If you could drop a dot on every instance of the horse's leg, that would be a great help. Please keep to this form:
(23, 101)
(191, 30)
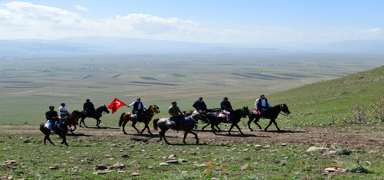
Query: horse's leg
(206, 126)
(163, 134)
(49, 139)
(196, 137)
(274, 122)
(217, 125)
(124, 123)
(249, 123)
(82, 120)
(229, 132)
(133, 125)
(185, 136)
(270, 122)
(213, 128)
(257, 120)
(239, 129)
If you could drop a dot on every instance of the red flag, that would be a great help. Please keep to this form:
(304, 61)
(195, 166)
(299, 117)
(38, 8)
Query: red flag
(116, 104)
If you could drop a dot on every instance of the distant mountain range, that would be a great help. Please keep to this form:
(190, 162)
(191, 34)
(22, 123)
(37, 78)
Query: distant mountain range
(138, 46)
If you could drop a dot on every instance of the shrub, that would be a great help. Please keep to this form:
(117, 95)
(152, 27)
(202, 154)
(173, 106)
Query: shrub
(377, 111)
(358, 111)
(26, 141)
(343, 151)
(358, 168)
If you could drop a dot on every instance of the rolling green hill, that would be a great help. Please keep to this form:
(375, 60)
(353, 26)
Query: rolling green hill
(313, 104)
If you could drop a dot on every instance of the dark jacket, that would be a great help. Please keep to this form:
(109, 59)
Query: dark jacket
(201, 105)
(136, 105)
(259, 104)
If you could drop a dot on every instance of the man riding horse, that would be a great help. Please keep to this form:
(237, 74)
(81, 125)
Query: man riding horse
(226, 108)
(176, 114)
(200, 106)
(51, 117)
(262, 104)
(138, 107)
(89, 108)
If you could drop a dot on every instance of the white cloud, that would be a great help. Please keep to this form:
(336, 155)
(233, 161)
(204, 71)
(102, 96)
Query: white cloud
(25, 20)
(81, 8)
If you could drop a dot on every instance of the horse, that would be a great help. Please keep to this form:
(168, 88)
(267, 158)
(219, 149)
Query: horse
(186, 125)
(61, 128)
(215, 119)
(145, 118)
(187, 113)
(271, 114)
(72, 120)
(96, 115)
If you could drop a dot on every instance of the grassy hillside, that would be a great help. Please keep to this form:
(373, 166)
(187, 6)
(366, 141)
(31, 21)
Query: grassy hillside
(313, 104)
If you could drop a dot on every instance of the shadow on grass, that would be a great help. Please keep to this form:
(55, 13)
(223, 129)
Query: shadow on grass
(284, 131)
(242, 135)
(79, 134)
(100, 127)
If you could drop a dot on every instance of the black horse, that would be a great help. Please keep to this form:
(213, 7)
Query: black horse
(271, 114)
(61, 128)
(236, 117)
(73, 120)
(96, 115)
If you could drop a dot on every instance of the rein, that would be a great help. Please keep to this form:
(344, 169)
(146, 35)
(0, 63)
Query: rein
(194, 121)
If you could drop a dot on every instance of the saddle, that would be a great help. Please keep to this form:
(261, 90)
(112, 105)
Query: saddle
(255, 111)
(171, 124)
(222, 115)
(133, 116)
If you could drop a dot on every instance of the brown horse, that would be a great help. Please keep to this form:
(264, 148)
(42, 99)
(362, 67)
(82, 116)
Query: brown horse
(145, 118)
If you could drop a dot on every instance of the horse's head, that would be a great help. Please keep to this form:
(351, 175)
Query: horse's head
(104, 109)
(76, 114)
(245, 111)
(154, 109)
(285, 109)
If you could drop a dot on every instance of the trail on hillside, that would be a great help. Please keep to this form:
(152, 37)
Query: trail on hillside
(365, 136)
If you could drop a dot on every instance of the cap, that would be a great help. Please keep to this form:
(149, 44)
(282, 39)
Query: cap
(173, 102)
(200, 97)
(262, 95)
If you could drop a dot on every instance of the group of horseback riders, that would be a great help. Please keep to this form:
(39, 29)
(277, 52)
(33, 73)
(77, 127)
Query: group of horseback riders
(52, 116)
(261, 105)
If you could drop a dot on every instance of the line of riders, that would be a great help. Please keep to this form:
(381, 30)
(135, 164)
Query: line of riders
(261, 107)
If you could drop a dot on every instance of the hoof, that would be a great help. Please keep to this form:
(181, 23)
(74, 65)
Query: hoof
(251, 129)
(53, 144)
(197, 142)
(265, 129)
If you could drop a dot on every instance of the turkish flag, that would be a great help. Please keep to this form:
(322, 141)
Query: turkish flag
(116, 104)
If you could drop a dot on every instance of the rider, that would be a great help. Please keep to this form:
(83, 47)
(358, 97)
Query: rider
(138, 107)
(226, 108)
(63, 110)
(174, 112)
(89, 107)
(199, 105)
(262, 104)
(51, 117)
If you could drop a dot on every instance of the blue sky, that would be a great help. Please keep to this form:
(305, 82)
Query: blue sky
(198, 21)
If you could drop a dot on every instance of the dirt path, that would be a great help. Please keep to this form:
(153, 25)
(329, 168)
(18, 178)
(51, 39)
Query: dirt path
(363, 136)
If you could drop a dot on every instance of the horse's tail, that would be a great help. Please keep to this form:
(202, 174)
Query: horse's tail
(121, 119)
(41, 127)
(155, 123)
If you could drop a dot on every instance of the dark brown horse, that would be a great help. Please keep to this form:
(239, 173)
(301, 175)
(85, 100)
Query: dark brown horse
(96, 115)
(61, 128)
(186, 125)
(215, 120)
(271, 114)
(145, 118)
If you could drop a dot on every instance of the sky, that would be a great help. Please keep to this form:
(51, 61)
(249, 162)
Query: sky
(208, 21)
